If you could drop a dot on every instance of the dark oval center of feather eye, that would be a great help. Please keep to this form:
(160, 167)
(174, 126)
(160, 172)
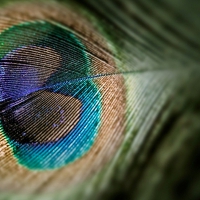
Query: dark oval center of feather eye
(41, 116)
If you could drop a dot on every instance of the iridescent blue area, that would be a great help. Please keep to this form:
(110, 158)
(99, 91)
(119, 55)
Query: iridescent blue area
(14, 82)
(70, 79)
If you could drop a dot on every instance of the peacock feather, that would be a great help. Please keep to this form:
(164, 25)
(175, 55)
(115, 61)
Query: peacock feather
(99, 99)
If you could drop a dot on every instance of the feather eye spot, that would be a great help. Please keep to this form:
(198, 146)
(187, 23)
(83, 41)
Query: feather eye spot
(62, 100)
(38, 98)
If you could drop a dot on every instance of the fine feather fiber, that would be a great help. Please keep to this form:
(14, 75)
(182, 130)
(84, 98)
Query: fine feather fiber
(99, 99)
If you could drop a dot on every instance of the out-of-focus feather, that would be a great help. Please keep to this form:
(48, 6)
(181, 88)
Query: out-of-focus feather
(159, 42)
